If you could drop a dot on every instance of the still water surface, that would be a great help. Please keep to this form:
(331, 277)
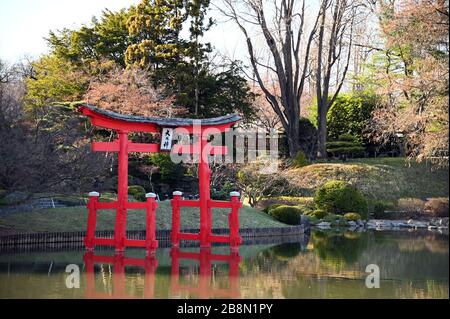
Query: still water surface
(323, 265)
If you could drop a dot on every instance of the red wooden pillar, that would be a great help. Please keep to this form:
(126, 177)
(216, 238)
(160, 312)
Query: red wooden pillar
(204, 174)
(122, 192)
(175, 218)
(92, 220)
(150, 232)
(233, 220)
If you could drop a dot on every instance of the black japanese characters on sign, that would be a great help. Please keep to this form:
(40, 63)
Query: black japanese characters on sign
(166, 139)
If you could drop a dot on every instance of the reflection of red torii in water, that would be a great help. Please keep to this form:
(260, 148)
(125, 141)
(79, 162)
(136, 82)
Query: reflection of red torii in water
(205, 259)
(201, 129)
(119, 261)
(150, 263)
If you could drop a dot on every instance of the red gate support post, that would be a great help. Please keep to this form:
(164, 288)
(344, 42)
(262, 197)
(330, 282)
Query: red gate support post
(204, 174)
(122, 193)
(175, 218)
(233, 220)
(92, 220)
(150, 237)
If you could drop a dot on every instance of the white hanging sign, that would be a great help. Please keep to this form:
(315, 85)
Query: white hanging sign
(166, 139)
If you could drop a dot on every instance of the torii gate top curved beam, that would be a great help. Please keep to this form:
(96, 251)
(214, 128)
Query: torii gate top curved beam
(133, 123)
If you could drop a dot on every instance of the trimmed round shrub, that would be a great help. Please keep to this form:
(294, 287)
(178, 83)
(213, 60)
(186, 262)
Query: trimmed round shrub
(270, 207)
(340, 197)
(137, 191)
(290, 215)
(286, 200)
(319, 213)
(306, 210)
(352, 216)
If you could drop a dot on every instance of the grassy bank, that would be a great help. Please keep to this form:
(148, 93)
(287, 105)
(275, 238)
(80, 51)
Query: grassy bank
(75, 219)
(377, 178)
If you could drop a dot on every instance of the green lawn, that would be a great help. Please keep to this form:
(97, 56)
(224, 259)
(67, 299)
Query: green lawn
(75, 219)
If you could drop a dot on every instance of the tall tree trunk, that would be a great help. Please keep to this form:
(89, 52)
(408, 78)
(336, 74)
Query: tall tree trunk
(328, 57)
(294, 139)
(322, 128)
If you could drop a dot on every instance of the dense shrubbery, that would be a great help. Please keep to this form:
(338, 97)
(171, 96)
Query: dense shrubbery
(137, 191)
(166, 167)
(380, 207)
(287, 200)
(349, 114)
(307, 140)
(290, 215)
(267, 209)
(318, 213)
(352, 216)
(346, 146)
(340, 197)
(224, 192)
(300, 160)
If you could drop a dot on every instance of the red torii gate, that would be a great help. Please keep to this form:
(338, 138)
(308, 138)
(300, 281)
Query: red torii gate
(122, 125)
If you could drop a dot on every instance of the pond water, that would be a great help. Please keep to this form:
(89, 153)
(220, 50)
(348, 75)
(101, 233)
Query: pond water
(323, 265)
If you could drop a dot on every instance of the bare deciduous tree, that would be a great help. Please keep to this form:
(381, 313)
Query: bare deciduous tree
(334, 43)
(265, 115)
(288, 41)
(45, 151)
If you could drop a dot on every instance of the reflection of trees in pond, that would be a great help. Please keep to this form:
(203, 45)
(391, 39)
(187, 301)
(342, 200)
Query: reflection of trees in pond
(274, 258)
(339, 248)
(286, 251)
(413, 241)
(440, 247)
(409, 255)
(332, 287)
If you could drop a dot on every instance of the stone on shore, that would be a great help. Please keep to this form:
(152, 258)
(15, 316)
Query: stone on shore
(324, 225)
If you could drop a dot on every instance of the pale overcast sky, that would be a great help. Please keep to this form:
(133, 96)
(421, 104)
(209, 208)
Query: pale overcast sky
(25, 23)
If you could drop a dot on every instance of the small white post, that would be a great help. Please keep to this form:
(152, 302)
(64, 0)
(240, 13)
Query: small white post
(235, 194)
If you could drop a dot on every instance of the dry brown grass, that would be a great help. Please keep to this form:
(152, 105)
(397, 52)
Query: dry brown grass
(437, 207)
